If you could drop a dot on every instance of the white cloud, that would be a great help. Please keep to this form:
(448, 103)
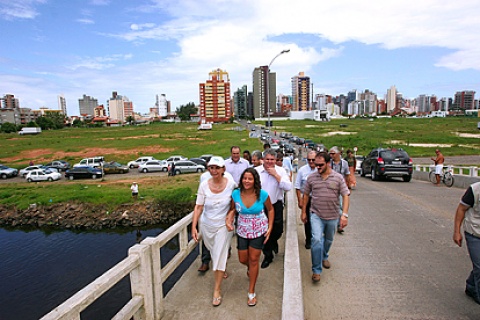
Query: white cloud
(22, 9)
(86, 21)
(100, 63)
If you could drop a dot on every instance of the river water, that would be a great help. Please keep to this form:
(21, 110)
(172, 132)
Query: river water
(40, 270)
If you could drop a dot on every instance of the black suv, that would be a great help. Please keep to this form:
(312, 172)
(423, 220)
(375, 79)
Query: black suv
(386, 163)
(83, 173)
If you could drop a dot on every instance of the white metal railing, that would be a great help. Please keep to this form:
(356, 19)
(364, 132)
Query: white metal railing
(143, 264)
(464, 171)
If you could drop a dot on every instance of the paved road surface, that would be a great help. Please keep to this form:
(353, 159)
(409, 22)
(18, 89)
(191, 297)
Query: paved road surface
(396, 260)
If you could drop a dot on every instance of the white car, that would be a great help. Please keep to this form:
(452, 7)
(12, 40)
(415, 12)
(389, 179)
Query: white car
(359, 159)
(153, 166)
(139, 161)
(42, 175)
(23, 172)
(176, 158)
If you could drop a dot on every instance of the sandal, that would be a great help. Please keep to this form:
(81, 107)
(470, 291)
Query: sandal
(252, 299)
(217, 301)
(225, 275)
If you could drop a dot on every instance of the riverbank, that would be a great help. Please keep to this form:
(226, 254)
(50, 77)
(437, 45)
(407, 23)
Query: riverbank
(81, 216)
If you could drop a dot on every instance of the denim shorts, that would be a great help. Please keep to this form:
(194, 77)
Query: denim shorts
(244, 243)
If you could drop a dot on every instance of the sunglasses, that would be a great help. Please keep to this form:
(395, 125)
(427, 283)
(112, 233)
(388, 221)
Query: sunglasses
(311, 159)
(320, 165)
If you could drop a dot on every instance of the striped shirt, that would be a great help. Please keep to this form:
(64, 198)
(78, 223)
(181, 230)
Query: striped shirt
(324, 194)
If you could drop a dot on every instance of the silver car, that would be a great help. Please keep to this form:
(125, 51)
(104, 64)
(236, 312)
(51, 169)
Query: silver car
(186, 166)
(153, 166)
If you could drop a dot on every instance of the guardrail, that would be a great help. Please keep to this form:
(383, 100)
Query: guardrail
(143, 264)
(464, 171)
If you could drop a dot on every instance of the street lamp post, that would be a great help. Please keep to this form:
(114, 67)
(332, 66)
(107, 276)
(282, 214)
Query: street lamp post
(268, 85)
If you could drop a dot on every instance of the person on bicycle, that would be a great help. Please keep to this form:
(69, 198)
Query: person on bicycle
(439, 160)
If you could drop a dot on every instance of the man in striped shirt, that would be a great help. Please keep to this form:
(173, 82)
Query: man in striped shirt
(324, 188)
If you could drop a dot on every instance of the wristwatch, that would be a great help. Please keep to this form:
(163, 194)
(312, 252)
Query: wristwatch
(345, 215)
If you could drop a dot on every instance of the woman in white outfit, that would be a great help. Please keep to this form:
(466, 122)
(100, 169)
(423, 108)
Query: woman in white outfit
(213, 203)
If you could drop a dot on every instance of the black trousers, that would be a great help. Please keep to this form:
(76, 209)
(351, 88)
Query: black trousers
(276, 233)
(308, 225)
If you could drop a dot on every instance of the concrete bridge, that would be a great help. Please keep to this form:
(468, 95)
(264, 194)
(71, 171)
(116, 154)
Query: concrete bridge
(396, 260)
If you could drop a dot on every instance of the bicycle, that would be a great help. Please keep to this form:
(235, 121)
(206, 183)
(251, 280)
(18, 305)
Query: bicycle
(446, 177)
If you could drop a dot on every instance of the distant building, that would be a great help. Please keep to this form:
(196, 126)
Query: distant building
(62, 104)
(215, 98)
(240, 103)
(301, 92)
(262, 79)
(391, 100)
(464, 100)
(162, 105)
(9, 101)
(87, 105)
(119, 107)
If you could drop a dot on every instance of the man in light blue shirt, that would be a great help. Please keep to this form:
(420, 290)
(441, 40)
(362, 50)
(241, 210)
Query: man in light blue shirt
(300, 181)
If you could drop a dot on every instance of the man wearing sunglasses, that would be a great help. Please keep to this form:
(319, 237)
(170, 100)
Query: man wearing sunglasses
(324, 188)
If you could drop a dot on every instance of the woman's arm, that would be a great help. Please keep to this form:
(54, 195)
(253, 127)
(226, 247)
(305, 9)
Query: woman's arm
(196, 215)
(230, 216)
(271, 216)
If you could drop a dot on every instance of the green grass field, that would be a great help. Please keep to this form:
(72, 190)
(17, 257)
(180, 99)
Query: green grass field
(419, 137)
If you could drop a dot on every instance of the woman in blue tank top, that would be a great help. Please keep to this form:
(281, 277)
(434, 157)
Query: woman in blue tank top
(251, 203)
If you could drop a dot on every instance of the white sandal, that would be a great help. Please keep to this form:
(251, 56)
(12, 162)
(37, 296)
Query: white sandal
(252, 299)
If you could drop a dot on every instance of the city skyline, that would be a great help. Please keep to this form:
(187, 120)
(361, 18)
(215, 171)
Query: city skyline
(166, 47)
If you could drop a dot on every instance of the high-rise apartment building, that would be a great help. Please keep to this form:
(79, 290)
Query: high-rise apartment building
(87, 105)
(9, 101)
(464, 100)
(215, 97)
(119, 107)
(391, 100)
(301, 92)
(62, 104)
(261, 78)
(161, 105)
(240, 103)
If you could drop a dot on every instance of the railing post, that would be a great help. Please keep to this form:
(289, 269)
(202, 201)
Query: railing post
(141, 281)
(472, 172)
(157, 280)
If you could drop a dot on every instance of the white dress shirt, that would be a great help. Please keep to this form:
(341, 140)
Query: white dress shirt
(274, 188)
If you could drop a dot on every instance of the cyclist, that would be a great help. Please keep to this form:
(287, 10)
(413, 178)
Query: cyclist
(438, 160)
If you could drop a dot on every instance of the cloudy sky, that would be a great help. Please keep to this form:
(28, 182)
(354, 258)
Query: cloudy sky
(146, 47)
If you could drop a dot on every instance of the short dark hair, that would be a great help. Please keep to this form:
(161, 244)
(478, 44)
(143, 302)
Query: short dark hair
(234, 147)
(266, 146)
(323, 155)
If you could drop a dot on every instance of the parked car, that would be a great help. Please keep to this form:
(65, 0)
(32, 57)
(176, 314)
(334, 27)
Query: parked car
(206, 157)
(83, 173)
(25, 171)
(153, 166)
(42, 175)
(385, 163)
(199, 161)
(139, 161)
(6, 172)
(288, 148)
(91, 162)
(274, 146)
(115, 167)
(358, 167)
(309, 144)
(176, 158)
(60, 165)
(186, 166)
(300, 141)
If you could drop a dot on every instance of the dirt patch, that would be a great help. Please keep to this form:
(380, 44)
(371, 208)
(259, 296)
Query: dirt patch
(46, 155)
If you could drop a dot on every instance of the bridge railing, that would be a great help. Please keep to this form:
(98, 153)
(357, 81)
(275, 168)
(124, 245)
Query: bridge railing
(464, 171)
(143, 264)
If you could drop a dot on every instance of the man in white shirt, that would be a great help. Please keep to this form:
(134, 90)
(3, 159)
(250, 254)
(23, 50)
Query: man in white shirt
(236, 165)
(275, 181)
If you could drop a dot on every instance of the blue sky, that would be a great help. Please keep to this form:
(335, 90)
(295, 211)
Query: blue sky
(146, 47)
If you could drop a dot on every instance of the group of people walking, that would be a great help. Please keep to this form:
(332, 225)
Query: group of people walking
(234, 192)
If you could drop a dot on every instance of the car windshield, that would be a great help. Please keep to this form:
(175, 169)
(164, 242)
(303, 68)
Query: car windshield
(393, 154)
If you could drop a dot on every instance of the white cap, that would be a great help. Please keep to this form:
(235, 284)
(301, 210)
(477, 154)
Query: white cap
(216, 161)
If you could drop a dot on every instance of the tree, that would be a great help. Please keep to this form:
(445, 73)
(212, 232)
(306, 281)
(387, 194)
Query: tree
(8, 127)
(184, 111)
(130, 120)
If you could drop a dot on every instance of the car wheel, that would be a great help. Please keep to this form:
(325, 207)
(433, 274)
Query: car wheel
(50, 179)
(165, 169)
(70, 178)
(94, 176)
(362, 172)
(407, 178)
(177, 172)
(29, 180)
(4, 176)
(132, 166)
(199, 170)
(374, 175)
(145, 170)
